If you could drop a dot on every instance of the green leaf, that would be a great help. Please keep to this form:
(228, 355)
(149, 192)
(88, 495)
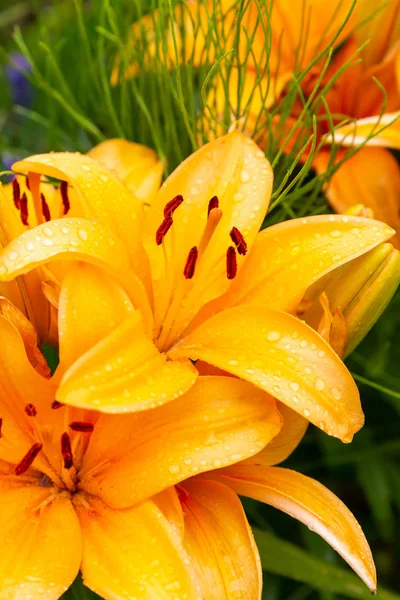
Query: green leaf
(286, 559)
(78, 591)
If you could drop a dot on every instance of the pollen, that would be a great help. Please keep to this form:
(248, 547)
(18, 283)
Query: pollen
(172, 205)
(23, 207)
(45, 208)
(64, 196)
(231, 263)
(239, 241)
(16, 193)
(163, 230)
(28, 459)
(66, 451)
(82, 426)
(56, 404)
(30, 410)
(191, 263)
(214, 203)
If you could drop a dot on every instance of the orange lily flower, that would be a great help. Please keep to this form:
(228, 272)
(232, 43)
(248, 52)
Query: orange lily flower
(22, 206)
(205, 285)
(85, 490)
(114, 495)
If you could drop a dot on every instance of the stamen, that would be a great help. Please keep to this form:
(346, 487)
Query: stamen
(45, 208)
(28, 184)
(56, 404)
(239, 241)
(30, 410)
(231, 263)
(214, 217)
(183, 494)
(163, 229)
(1, 426)
(28, 459)
(82, 426)
(214, 203)
(64, 196)
(23, 206)
(66, 451)
(172, 205)
(16, 193)
(191, 263)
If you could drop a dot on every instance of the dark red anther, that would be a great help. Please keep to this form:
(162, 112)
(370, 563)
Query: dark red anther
(45, 208)
(172, 205)
(64, 196)
(214, 203)
(231, 263)
(239, 241)
(30, 410)
(27, 184)
(183, 494)
(66, 451)
(191, 263)
(28, 459)
(16, 193)
(81, 426)
(56, 404)
(23, 207)
(163, 229)
(1, 426)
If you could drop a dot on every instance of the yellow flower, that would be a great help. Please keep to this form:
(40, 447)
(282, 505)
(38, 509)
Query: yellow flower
(81, 490)
(204, 283)
(22, 206)
(114, 495)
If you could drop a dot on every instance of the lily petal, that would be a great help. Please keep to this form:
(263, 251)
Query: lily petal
(219, 421)
(371, 176)
(125, 372)
(136, 165)
(380, 28)
(43, 540)
(289, 257)
(385, 131)
(28, 335)
(281, 355)
(91, 306)
(77, 239)
(293, 429)
(219, 542)
(232, 168)
(100, 195)
(133, 553)
(311, 503)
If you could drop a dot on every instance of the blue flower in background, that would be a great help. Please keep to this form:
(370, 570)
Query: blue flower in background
(20, 88)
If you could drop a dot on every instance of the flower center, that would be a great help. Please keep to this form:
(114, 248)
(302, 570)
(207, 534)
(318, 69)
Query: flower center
(167, 332)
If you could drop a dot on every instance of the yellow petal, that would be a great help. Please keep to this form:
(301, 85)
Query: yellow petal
(361, 290)
(292, 432)
(385, 131)
(136, 165)
(74, 239)
(281, 355)
(28, 335)
(232, 168)
(125, 373)
(133, 553)
(42, 538)
(289, 257)
(220, 543)
(21, 384)
(371, 176)
(91, 306)
(311, 503)
(219, 421)
(100, 195)
(380, 28)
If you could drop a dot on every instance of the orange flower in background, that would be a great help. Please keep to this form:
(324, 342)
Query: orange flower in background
(23, 206)
(195, 281)
(114, 495)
